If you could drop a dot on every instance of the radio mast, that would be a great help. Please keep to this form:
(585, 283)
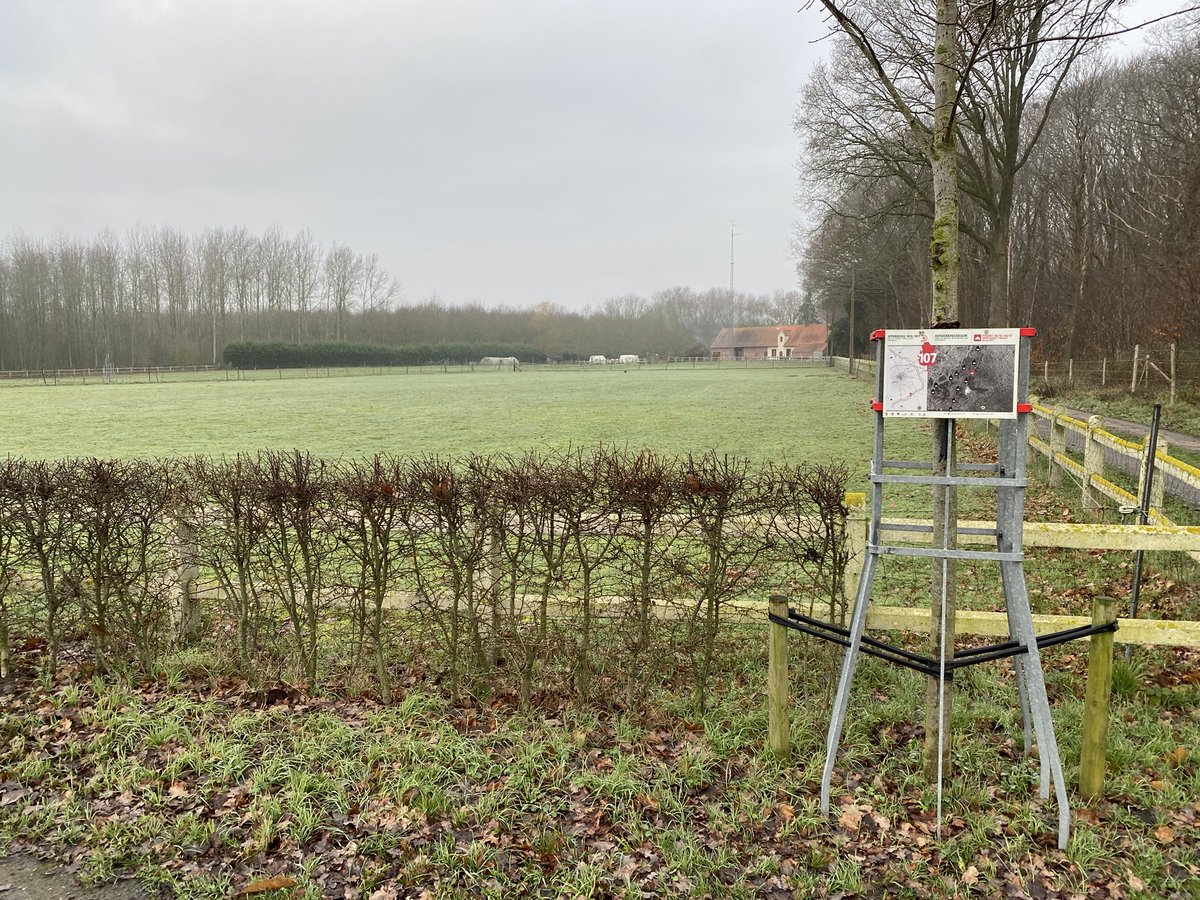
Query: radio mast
(731, 233)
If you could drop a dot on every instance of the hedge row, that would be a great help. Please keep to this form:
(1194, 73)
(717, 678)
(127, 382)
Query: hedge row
(280, 355)
(546, 571)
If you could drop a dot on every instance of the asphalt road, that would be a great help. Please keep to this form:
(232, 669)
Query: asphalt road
(28, 878)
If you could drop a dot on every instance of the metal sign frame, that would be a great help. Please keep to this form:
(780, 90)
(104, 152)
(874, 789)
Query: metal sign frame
(1008, 479)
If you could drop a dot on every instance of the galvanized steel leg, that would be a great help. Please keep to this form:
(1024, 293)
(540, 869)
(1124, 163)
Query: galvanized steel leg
(841, 701)
(1019, 664)
(1006, 510)
(1039, 704)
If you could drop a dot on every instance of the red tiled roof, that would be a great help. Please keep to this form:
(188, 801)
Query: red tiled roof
(805, 338)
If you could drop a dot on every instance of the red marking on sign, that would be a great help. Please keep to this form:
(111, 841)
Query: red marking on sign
(877, 334)
(1024, 407)
(1028, 332)
(927, 355)
(877, 406)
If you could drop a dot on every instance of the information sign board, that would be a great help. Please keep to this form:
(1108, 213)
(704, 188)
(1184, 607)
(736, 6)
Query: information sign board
(951, 373)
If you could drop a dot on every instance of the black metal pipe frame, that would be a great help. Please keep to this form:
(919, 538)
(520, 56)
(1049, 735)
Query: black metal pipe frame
(884, 651)
(827, 631)
(866, 639)
(1143, 516)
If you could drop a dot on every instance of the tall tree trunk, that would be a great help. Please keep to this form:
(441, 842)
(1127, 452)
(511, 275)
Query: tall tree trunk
(1081, 240)
(998, 272)
(944, 264)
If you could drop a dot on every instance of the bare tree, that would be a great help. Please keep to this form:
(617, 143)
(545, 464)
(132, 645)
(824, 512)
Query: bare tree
(306, 272)
(377, 289)
(215, 277)
(342, 273)
(1014, 62)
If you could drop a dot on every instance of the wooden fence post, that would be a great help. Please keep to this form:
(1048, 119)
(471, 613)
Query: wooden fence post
(1093, 463)
(1133, 380)
(1095, 703)
(856, 547)
(1172, 402)
(778, 730)
(493, 588)
(1156, 487)
(1104, 372)
(186, 614)
(1071, 371)
(1058, 445)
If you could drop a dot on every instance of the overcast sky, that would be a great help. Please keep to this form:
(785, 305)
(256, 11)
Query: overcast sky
(511, 152)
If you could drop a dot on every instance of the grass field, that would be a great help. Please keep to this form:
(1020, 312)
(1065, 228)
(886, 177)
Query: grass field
(792, 414)
(205, 785)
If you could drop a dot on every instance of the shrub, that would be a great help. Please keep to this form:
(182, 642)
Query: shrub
(583, 570)
(281, 355)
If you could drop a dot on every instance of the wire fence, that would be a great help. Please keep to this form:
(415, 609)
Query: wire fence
(1152, 369)
(169, 374)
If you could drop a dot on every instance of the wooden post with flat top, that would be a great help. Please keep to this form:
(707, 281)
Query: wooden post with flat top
(778, 730)
(1093, 464)
(1058, 445)
(1095, 702)
(856, 553)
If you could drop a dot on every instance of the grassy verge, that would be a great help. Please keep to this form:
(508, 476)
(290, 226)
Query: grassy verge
(205, 788)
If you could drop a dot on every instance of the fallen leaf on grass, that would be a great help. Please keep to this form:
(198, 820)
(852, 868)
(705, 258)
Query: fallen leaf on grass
(627, 868)
(1090, 816)
(14, 796)
(786, 811)
(1165, 833)
(274, 883)
(971, 876)
(178, 789)
(851, 817)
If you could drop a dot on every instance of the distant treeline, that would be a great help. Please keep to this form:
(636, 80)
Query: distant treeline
(162, 297)
(279, 355)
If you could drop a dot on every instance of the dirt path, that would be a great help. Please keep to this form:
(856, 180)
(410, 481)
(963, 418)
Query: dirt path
(28, 878)
(1173, 438)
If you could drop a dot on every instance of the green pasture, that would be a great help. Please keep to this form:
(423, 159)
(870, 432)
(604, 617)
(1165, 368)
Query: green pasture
(203, 784)
(794, 414)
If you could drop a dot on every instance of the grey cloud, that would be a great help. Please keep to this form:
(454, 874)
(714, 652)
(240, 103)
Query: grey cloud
(502, 151)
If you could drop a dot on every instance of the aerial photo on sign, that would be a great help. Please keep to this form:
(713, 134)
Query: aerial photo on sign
(952, 373)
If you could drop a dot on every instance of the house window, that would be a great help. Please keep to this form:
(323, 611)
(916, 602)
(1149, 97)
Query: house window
(772, 351)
